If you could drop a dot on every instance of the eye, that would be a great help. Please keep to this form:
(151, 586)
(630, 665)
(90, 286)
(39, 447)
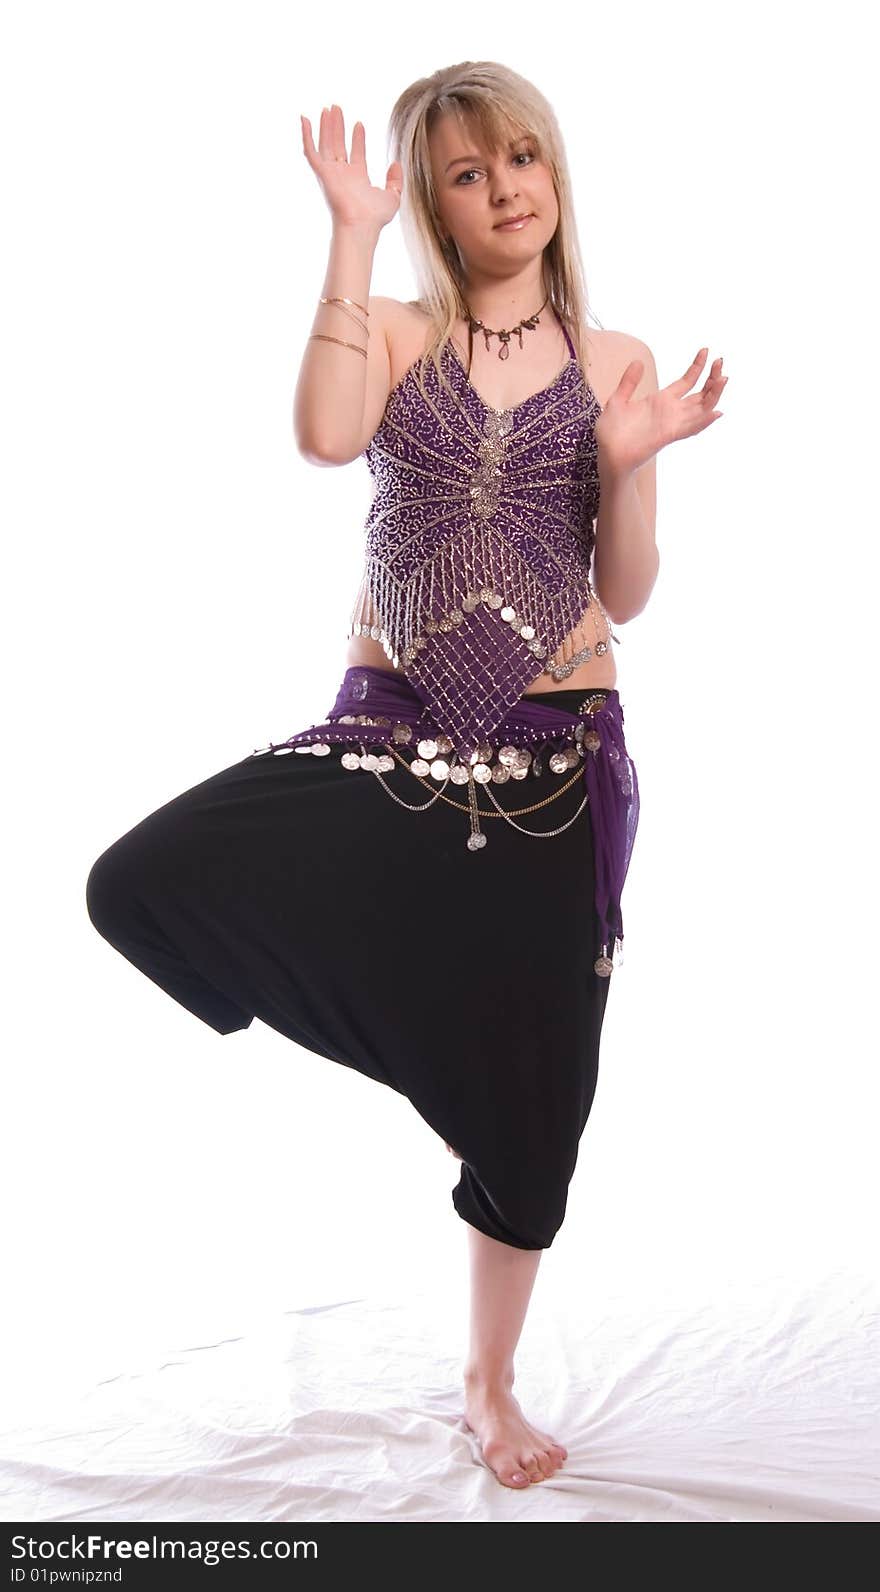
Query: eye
(523, 154)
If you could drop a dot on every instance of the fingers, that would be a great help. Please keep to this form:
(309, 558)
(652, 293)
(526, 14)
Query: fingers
(331, 137)
(309, 149)
(715, 384)
(332, 121)
(691, 375)
(359, 144)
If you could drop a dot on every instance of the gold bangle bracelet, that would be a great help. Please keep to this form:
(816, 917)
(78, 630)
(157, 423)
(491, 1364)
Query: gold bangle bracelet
(326, 339)
(361, 325)
(353, 302)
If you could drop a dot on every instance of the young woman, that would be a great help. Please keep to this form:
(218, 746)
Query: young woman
(512, 527)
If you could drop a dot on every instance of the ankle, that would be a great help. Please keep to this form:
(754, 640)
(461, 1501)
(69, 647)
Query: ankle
(480, 1377)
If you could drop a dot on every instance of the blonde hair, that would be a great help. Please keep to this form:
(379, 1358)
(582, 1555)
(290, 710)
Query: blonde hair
(504, 105)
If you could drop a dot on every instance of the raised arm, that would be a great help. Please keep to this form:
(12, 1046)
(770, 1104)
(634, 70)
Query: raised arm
(346, 354)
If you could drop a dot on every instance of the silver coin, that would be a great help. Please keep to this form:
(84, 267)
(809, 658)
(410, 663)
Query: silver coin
(558, 762)
(439, 768)
(527, 632)
(508, 614)
(369, 761)
(458, 774)
(507, 755)
(482, 773)
(320, 749)
(603, 965)
(592, 740)
(444, 744)
(500, 774)
(483, 752)
(419, 766)
(494, 599)
(385, 763)
(519, 773)
(402, 733)
(523, 757)
(427, 749)
(476, 842)
(350, 760)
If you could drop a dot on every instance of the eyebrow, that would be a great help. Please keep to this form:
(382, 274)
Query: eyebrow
(474, 159)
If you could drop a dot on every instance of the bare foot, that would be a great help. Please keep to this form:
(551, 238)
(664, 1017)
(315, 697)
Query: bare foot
(515, 1450)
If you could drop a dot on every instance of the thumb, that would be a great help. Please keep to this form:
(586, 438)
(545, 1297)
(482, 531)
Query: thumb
(631, 377)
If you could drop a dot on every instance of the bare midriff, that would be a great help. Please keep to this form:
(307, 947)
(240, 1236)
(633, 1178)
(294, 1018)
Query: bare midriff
(595, 672)
(406, 338)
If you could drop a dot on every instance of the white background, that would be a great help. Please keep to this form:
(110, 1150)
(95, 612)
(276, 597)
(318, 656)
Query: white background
(178, 583)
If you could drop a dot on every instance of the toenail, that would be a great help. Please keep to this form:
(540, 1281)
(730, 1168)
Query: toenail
(518, 1476)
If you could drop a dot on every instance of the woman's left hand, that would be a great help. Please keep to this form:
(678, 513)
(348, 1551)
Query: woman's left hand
(631, 430)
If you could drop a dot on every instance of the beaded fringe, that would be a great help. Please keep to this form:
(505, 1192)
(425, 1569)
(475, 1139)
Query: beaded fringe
(476, 566)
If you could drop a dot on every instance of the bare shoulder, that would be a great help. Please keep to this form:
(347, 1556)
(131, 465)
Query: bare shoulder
(619, 349)
(613, 352)
(406, 326)
(381, 312)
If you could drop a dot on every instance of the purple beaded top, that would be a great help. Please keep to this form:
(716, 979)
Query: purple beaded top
(479, 539)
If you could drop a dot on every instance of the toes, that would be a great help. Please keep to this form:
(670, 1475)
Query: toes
(545, 1441)
(547, 1460)
(517, 1478)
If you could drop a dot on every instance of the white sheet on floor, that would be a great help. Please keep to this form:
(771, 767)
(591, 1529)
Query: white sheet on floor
(758, 1401)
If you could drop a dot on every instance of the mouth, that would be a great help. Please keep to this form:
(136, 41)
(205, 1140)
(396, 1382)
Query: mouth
(512, 222)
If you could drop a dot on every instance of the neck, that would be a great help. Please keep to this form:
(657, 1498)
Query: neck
(501, 305)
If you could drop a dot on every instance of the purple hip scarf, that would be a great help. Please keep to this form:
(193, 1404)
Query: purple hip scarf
(378, 714)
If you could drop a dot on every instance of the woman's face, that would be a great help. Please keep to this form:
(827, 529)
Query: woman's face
(475, 191)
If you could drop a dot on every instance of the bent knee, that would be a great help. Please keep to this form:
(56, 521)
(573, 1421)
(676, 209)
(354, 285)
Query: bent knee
(112, 889)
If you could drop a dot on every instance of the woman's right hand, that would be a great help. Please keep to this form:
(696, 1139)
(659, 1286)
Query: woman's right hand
(351, 197)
